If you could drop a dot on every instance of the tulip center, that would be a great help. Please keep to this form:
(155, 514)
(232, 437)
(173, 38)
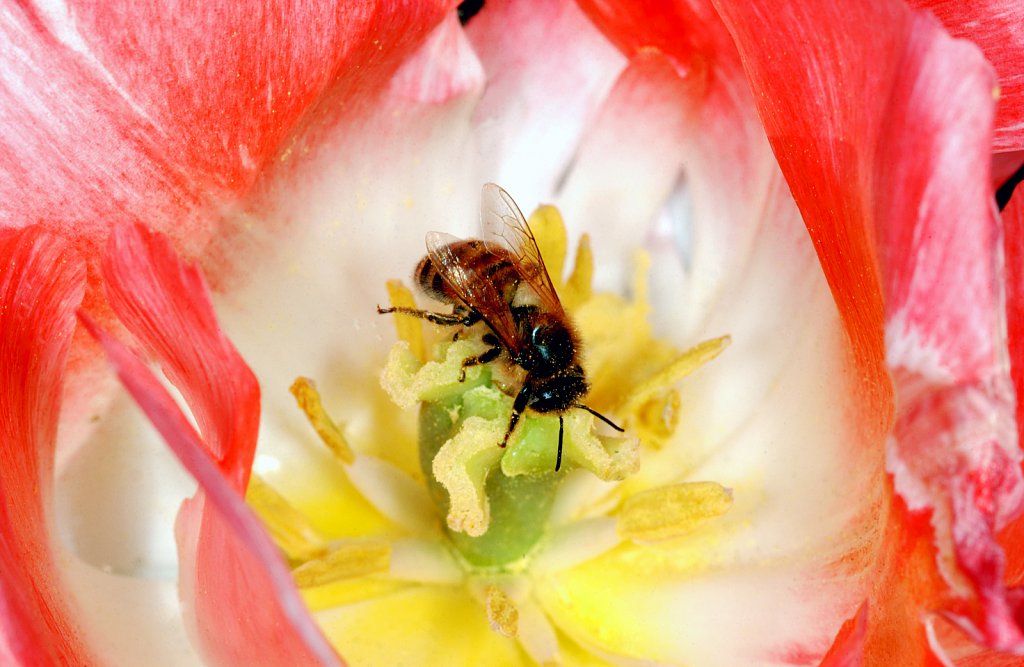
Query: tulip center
(498, 507)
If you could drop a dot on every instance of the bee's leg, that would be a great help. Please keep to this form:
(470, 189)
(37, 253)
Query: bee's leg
(487, 357)
(522, 399)
(464, 318)
(558, 460)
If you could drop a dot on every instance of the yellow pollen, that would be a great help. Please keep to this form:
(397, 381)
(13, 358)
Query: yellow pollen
(501, 612)
(552, 240)
(289, 529)
(409, 328)
(347, 561)
(671, 511)
(308, 398)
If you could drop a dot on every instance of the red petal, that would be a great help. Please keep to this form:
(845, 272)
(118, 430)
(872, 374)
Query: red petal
(239, 597)
(848, 648)
(996, 27)
(166, 305)
(131, 111)
(1013, 248)
(882, 125)
(41, 285)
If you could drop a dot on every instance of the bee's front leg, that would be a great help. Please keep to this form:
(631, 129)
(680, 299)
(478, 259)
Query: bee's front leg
(486, 357)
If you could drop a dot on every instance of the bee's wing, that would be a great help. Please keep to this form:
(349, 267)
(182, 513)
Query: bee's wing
(475, 289)
(503, 223)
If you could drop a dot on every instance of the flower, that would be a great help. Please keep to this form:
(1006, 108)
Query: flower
(900, 520)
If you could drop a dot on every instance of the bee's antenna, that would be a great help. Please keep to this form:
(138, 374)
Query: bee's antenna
(558, 461)
(599, 416)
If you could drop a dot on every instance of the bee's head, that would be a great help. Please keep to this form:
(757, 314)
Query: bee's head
(561, 392)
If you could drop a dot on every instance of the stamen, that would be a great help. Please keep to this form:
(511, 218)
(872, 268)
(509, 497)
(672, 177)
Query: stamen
(501, 612)
(308, 398)
(654, 405)
(288, 527)
(672, 511)
(410, 329)
(348, 561)
(579, 287)
(549, 230)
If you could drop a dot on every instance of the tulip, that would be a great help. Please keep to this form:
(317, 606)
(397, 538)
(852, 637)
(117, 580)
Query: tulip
(223, 195)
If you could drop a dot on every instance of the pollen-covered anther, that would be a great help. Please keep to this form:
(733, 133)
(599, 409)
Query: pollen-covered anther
(502, 614)
(289, 529)
(308, 398)
(671, 511)
(345, 561)
(681, 366)
(462, 466)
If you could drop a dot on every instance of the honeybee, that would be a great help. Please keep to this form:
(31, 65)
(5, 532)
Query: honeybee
(501, 280)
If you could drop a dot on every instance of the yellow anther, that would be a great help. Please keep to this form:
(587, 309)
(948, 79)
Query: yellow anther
(579, 287)
(410, 329)
(549, 231)
(501, 612)
(462, 466)
(671, 511)
(673, 372)
(289, 529)
(348, 561)
(308, 398)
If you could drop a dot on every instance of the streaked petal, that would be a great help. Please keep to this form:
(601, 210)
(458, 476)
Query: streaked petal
(904, 186)
(995, 26)
(41, 285)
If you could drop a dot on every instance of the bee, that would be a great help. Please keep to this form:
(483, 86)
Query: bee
(501, 280)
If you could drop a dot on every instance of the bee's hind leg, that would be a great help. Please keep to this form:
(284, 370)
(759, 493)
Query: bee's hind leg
(484, 358)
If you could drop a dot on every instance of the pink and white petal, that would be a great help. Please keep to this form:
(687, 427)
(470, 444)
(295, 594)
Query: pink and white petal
(41, 285)
(227, 562)
(906, 185)
(996, 27)
(134, 113)
(182, 112)
(547, 71)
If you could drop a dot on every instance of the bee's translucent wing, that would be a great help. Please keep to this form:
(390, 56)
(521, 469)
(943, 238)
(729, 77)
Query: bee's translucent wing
(503, 223)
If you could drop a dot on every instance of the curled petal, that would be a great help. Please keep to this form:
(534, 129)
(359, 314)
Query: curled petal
(897, 198)
(227, 561)
(41, 285)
